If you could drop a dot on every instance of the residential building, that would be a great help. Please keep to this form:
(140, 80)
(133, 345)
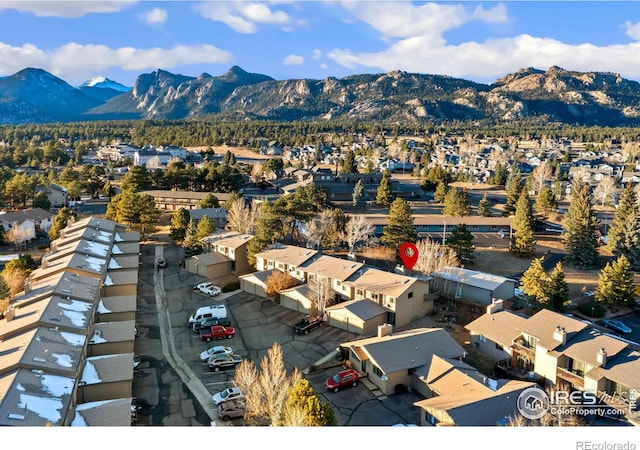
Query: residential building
(232, 245)
(66, 344)
(217, 216)
(566, 353)
(173, 200)
(471, 286)
(57, 195)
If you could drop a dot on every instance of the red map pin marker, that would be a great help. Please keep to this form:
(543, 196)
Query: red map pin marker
(409, 254)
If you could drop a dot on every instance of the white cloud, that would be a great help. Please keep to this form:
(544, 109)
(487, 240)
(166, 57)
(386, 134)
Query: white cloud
(293, 60)
(73, 59)
(632, 30)
(241, 16)
(67, 9)
(317, 54)
(324, 66)
(416, 43)
(155, 16)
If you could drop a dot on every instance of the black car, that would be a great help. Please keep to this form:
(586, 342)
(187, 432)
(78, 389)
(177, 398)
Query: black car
(162, 263)
(208, 323)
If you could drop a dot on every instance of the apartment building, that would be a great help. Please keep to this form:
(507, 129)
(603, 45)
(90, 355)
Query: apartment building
(566, 353)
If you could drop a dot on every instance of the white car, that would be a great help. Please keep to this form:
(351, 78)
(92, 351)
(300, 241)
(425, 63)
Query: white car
(232, 393)
(205, 355)
(206, 284)
(210, 290)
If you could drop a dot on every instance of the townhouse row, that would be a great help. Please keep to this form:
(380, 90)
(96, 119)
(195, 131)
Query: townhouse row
(67, 341)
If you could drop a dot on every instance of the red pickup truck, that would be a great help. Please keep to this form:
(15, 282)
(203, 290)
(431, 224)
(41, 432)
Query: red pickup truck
(217, 332)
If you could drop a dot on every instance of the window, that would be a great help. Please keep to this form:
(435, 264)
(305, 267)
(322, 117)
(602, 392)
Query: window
(281, 266)
(410, 294)
(429, 418)
(482, 338)
(391, 300)
(359, 292)
(377, 371)
(499, 347)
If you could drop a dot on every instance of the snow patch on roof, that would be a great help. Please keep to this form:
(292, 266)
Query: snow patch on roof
(90, 373)
(62, 359)
(72, 338)
(113, 264)
(108, 281)
(101, 308)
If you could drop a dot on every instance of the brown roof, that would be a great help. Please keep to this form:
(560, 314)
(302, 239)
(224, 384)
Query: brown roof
(543, 324)
(380, 281)
(623, 368)
(501, 327)
(287, 254)
(585, 346)
(331, 267)
(439, 219)
(210, 259)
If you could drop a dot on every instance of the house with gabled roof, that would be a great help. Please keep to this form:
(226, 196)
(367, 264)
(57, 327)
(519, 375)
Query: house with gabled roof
(566, 353)
(462, 396)
(473, 286)
(232, 245)
(390, 359)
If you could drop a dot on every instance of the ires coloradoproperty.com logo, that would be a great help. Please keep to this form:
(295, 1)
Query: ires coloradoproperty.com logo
(533, 403)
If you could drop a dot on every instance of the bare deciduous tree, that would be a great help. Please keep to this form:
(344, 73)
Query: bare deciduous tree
(319, 229)
(603, 192)
(357, 233)
(18, 236)
(434, 257)
(541, 174)
(243, 219)
(257, 173)
(154, 163)
(266, 391)
(322, 294)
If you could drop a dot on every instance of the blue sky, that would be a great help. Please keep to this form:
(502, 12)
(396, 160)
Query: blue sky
(78, 40)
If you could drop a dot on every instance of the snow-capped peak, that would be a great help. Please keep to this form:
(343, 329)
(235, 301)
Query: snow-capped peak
(102, 82)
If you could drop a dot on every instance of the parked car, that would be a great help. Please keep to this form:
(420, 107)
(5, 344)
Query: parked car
(223, 361)
(218, 349)
(216, 311)
(636, 309)
(307, 324)
(211, 290)
(210, 322)
(616, 325)
(342, 379)
(161, 263)
(202, 285)
(233, 409)
(232, 393)
(217, 332)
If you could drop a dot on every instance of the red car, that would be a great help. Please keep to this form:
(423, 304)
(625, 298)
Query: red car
(342, 379)
(217, 332)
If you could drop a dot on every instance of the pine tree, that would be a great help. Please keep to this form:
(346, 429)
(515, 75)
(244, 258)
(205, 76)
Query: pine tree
(580, 225)
(623, 237)
(484, 206)
(205, 228)
(441, 192)
(615, 283)
(461, 241)
(456, 203)
(400, 227)
(349, 164)
(513, 188)
(359, 200)
(178, 224)
(384, 195)
(523, 241)
(534, 282)
(191, 245)
(546, 202)
(558, 289)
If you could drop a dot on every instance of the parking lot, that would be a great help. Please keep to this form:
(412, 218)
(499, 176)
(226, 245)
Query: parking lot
(175, 387)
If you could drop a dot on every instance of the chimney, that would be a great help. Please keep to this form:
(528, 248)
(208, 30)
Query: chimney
(602, 357)
(495, 306)
(385, 330)
(10, 313)
(560, 335)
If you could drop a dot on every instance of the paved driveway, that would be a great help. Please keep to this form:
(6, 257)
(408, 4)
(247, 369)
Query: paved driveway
(176, 387)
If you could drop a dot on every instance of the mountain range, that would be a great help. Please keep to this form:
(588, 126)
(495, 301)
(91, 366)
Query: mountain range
(555, 95)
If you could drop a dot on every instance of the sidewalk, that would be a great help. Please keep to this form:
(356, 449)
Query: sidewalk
(195, 385)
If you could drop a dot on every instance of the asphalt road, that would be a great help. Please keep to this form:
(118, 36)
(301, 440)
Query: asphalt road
(175, 387)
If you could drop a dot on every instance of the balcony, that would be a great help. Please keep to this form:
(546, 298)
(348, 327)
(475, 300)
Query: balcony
(570, 377)
(522, 347)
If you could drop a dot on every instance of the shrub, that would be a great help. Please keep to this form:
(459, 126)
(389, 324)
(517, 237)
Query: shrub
(595, 307)
(229, 287)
